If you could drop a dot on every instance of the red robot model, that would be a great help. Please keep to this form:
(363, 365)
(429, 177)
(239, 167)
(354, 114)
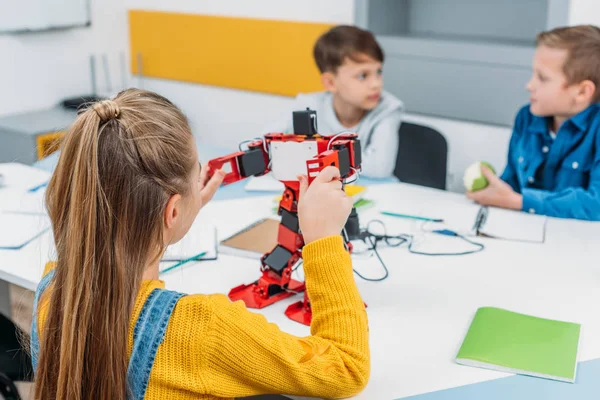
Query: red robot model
(286, 156)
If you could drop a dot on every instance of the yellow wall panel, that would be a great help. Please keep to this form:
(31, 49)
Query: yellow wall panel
(250, 54)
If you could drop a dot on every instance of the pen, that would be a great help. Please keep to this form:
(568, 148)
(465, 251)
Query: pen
(180, 263)
(392, 214)
(38, 187)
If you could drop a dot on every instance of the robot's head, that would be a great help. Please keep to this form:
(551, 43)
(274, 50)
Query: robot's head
(305, 122)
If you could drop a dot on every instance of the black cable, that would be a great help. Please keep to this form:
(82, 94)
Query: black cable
(397, 240)
(446, 232)
(373, 239)
(243, 142)
(374, 248)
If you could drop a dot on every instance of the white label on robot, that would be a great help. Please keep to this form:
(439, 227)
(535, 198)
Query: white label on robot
(288, 159)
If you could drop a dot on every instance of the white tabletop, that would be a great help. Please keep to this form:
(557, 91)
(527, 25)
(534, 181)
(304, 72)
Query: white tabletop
(418, 316)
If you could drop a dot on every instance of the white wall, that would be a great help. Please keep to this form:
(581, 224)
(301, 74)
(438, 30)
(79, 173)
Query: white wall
(38, 70)
(45, 67)
(334, 11)
(584, 12)
(218, 116)
(224, 117)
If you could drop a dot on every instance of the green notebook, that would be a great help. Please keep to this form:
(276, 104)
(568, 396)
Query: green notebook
(521, 344)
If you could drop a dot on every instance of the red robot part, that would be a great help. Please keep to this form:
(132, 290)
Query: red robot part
(300, 312)
(266, 291)
(342, 151)
(315, 165)
(242, 164)
(276, 282)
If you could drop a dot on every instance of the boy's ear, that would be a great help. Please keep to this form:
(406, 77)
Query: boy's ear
(587, 89)
(328, 81)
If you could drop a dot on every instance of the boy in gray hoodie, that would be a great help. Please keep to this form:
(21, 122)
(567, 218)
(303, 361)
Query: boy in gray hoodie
(350, 61)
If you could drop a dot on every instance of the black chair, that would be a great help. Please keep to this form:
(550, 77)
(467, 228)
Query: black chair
(15, 362)
(8, 390)
(422, 156)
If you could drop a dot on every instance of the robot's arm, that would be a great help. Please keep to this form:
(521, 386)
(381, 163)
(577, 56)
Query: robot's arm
(242, 164)
(344, 152)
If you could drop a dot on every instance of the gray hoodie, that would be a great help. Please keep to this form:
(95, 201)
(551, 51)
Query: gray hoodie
(377, 130)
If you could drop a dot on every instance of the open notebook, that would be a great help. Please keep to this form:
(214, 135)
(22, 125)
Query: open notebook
(470, 219)
(510, 225)
(22, 229)
(14, 200)
(21, 176)
(201, 238)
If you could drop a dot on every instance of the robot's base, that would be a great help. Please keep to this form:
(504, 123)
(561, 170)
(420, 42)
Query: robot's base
(300, 313)
(249, 295)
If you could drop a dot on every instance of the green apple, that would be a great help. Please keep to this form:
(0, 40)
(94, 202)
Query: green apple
(474, 179)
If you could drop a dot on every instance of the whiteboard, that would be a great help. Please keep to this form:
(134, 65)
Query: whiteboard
(36, 15)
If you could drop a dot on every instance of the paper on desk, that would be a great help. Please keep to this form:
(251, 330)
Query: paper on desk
(22, 201)
(16, 230)
(201, 238)
(21, 176)
(499, 223)
(514, 225)
(265, 183)
(460, 215)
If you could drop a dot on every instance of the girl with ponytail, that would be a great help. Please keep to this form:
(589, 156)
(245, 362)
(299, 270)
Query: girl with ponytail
(128, 184)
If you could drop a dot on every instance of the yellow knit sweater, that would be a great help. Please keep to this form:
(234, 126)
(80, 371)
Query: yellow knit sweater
(215, 349)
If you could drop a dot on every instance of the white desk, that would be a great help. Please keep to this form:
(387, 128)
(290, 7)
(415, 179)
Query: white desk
(419, 315)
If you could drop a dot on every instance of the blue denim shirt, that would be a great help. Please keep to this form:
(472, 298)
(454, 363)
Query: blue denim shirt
(560, 177)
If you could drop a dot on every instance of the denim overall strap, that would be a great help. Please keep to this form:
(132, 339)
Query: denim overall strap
(148, 334)
(34, 344)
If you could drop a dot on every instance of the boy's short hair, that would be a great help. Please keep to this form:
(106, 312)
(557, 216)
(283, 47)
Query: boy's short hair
(332, 48)
(582, 43)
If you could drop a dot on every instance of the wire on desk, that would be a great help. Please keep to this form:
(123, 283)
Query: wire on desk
(369, 237)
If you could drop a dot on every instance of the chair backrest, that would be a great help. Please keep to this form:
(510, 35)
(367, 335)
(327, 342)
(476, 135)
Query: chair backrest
(15, 362)
(8, 390)
(422, 156)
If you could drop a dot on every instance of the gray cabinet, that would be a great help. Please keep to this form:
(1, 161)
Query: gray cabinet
(27, 137)
(464, 59)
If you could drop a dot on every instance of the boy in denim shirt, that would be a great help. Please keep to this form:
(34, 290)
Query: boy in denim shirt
(554, 155)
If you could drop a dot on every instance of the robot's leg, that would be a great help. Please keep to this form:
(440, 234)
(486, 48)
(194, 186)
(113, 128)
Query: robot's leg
(276, 282)
(301, 311)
